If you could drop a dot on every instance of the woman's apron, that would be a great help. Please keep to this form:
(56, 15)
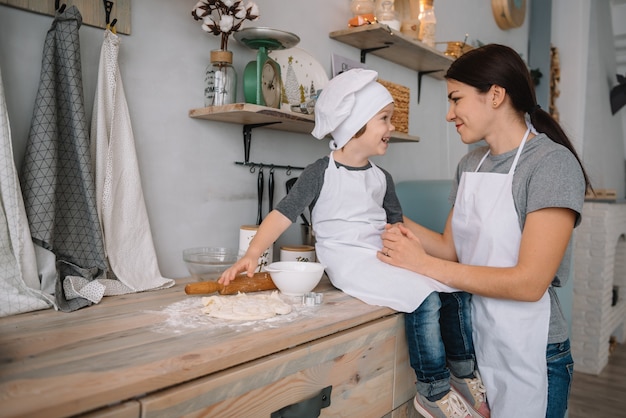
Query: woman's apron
(348, 220)
(510, 337)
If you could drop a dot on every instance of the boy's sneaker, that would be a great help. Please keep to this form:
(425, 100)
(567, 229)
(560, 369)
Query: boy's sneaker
(474, 393)
(450, 406)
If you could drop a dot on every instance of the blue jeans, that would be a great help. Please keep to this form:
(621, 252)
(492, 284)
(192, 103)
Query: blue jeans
(560, 370)
(439, 335)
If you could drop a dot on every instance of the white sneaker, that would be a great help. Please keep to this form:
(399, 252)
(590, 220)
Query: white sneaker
(474, 393)
(450, 406)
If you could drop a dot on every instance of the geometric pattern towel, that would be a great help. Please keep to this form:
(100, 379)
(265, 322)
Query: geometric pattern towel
(120, 201)
(57, 179)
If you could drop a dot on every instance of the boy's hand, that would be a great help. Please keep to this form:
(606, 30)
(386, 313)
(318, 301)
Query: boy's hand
(246, 263)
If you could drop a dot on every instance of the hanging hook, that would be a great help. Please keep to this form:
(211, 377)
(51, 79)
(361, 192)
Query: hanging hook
(108, 7)
(288, 171)
(253, 168)
(60, 9)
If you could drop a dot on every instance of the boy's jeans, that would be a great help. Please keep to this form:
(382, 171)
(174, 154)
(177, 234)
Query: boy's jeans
(560, 370)
(439, 334)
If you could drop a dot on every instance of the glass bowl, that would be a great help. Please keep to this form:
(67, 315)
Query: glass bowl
(208, 263)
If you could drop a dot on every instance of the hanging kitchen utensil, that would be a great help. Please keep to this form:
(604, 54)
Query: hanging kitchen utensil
(259, 216)
(289, 185)
(270, 190)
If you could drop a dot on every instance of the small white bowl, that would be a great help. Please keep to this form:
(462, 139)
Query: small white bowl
(295, 278)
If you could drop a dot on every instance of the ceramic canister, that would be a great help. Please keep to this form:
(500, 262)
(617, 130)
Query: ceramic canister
(304, 253)
(246, 233)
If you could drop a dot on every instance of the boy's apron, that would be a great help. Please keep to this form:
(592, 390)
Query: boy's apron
(510, 337)
(348, 220)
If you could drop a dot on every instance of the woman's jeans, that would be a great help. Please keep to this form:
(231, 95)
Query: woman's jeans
(439, 335)
(560, 370)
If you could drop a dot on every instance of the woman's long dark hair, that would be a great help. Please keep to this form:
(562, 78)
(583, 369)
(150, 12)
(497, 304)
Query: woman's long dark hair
(496, 64)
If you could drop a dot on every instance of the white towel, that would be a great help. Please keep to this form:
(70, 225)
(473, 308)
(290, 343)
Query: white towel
(19, 282)
(120, 202)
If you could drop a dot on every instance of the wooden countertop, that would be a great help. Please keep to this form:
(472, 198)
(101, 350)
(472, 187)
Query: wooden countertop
(58, 364)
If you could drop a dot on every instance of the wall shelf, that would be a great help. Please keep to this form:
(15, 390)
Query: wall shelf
(251, 115)
(392, 45)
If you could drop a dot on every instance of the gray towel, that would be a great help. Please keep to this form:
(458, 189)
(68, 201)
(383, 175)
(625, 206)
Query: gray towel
(57, 181)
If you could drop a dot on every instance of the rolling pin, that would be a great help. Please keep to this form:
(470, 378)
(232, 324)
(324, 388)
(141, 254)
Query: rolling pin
(242, 283)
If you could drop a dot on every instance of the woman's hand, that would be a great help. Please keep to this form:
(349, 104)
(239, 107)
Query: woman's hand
(402, 248)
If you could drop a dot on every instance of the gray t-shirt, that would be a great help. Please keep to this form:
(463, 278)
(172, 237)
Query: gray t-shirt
(547, 175)
(309, 185)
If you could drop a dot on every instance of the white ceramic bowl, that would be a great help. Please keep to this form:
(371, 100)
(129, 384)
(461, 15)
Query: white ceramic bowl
(208, 263)
(295, 278)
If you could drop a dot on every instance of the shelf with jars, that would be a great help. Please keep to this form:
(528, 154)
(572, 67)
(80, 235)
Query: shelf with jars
(392, 45)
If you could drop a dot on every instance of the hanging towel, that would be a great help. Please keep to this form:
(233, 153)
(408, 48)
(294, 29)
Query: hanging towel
(120, 202)
(57, 181)
(19, 284)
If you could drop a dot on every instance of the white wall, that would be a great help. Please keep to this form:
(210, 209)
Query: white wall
(588, 68)
(618, 19)
(195, 194)
(603, 140)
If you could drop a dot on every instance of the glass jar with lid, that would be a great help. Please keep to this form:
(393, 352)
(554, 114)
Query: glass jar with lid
(386, 14)
(362, 7)
(220, 79)
(428, 21)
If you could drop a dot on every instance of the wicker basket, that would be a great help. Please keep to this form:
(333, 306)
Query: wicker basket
(401, 97)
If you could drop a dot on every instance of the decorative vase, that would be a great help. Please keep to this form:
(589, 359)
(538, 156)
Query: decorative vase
(220, 79)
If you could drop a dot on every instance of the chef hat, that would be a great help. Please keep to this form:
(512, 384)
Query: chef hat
(347, 103)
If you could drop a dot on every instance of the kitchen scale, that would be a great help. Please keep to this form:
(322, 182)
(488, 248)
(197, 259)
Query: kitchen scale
(262, 82)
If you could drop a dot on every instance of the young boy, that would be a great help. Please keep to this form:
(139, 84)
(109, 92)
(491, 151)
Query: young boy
(351, 201)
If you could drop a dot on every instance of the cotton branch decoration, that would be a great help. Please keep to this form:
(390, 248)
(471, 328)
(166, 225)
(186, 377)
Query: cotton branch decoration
(223, 17)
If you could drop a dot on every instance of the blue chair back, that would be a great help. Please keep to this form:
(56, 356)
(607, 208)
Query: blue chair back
(425, 201)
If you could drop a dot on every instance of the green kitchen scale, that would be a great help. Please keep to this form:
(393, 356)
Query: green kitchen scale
(262, 82)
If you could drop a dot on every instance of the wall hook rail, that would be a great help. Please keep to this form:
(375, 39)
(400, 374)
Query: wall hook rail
(247, 140)
(253, 166)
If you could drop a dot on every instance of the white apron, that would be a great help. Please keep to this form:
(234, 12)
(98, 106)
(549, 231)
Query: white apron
(348, 220)
(510, 337)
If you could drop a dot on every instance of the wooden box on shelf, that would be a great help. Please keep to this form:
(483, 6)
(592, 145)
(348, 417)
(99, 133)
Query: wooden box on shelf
(401, 98)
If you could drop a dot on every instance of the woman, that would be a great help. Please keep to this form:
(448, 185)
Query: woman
(507, 238)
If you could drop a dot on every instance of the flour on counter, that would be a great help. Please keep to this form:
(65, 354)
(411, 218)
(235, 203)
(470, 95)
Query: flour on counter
(244, 307)
(186, 315)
